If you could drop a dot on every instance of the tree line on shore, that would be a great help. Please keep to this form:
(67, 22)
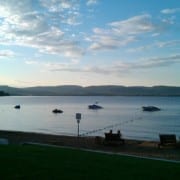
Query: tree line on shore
(2, 93)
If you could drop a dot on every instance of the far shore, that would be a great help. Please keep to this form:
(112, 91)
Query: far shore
(131, 147)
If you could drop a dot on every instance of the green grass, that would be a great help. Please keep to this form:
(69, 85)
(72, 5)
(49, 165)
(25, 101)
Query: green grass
(35, 162)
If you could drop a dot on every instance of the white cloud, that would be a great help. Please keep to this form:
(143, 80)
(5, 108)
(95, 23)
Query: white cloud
(169, 20)
(172, 43)
(66, 11)
(159, 61)
(154, 62)
(72, 19)
(91, 2)
(122, 66)
(139, 49)
(159, 44)
(121, 33)
(134, 25)
(149, 63)
(30, 62)
(9, 7)
(170, 11)
(6, 53)
(21, 24)
(155, 34)
(57, 5)
(108, 42)
(65, 66)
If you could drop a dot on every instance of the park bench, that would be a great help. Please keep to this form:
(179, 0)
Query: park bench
(167, 140)
(113, 138)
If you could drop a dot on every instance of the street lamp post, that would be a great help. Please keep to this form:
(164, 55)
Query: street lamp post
(78, 118)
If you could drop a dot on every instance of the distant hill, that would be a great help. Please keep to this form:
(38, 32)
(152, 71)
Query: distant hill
(72, 90)
(2, 93)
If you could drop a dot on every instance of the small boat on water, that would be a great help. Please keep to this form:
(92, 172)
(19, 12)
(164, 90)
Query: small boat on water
(150, 108)
(95, 106)
(17, 106)
(57, 111)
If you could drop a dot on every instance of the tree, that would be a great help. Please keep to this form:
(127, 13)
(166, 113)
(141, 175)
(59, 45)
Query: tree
(2, 93)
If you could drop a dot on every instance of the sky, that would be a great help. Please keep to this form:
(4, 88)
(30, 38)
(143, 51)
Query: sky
(89, 42)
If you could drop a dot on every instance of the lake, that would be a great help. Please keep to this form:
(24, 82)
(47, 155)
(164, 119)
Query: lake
(119, 112)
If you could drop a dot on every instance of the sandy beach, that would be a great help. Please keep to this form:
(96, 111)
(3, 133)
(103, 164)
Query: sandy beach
(131, 147)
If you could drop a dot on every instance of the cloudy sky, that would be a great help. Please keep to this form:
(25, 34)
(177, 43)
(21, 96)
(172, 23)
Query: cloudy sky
(89, 42)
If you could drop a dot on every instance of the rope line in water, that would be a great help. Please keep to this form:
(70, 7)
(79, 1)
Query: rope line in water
(108, 127)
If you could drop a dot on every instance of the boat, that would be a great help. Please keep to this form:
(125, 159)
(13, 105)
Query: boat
(95, 106)
(150, 108)
(17, 106)
(57, 111)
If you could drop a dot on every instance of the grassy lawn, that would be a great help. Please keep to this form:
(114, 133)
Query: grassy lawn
(35, 162)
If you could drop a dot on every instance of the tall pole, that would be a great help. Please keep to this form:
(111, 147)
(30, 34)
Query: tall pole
(78, 118)
(78, 129)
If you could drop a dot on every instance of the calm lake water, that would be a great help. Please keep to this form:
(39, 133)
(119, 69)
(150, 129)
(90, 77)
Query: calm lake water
(122, 113)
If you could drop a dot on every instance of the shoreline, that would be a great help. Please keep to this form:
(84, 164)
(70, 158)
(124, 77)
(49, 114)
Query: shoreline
(131, 147)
